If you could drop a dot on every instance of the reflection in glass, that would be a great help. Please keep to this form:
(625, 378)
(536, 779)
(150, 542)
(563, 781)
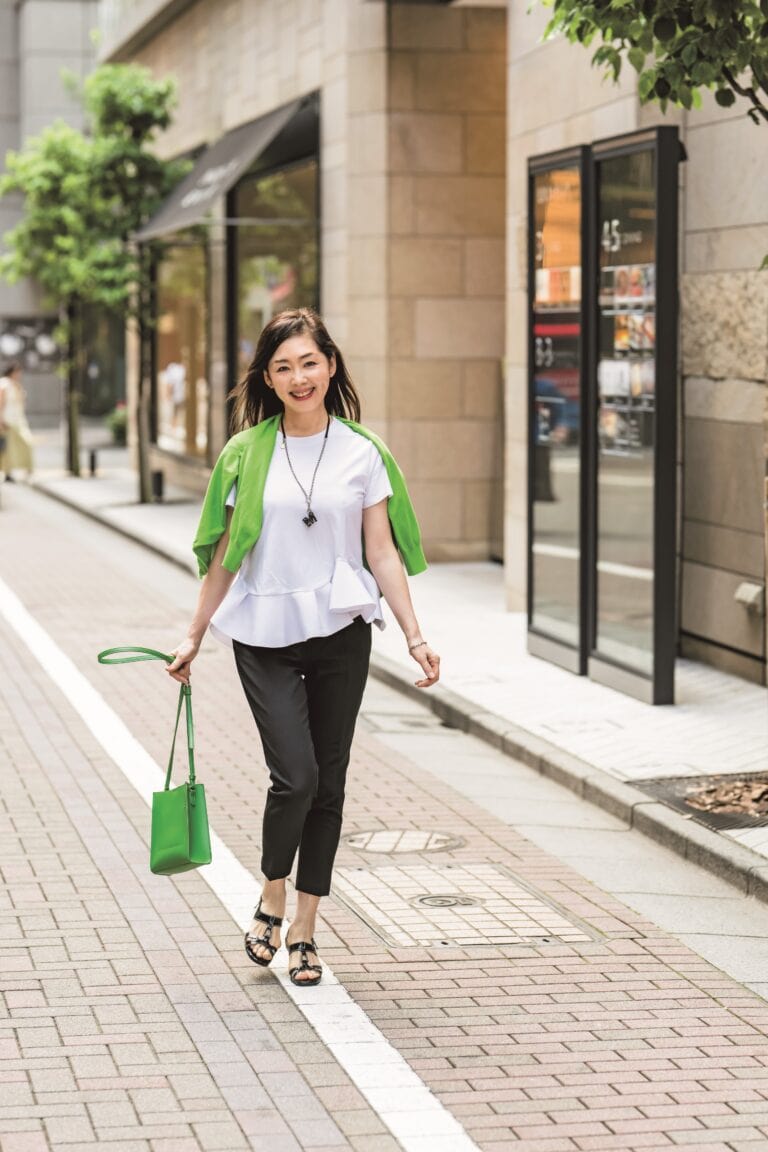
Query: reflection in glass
(555, 513)
(181, 352)
(276, 256)
(626, 409)
(101, 376)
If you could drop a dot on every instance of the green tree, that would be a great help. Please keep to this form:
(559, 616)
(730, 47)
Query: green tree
(85, 194)
(678, 47)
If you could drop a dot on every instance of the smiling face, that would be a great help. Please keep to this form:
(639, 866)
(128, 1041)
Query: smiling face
(300, 374)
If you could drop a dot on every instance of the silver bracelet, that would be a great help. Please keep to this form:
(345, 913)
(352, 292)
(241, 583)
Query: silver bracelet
(418, 644)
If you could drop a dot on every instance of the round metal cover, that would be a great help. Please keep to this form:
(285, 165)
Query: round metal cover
(446, 901)
(403, 840)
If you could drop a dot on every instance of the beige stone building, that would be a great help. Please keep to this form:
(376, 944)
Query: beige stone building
(393, 195)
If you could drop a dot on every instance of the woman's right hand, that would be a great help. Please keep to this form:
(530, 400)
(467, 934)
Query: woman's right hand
(183, 655)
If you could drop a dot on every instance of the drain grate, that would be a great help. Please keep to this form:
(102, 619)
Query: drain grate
(462, 904)
(678, 791)
(387, 840)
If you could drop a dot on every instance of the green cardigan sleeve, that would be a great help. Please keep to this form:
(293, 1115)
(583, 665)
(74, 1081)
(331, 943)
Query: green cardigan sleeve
(213, 517)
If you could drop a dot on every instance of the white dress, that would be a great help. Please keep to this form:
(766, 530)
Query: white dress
(298, 582)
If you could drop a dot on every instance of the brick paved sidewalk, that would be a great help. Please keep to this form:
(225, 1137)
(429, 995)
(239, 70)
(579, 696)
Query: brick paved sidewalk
(131, 1017)
(624, 1041)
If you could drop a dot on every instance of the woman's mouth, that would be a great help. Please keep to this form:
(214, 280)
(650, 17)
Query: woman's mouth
(304, 394)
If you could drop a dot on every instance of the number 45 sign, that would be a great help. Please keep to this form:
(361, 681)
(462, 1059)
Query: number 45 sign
(611, 241)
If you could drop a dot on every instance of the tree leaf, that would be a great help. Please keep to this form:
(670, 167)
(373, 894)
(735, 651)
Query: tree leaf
(725, 97)
(636, 57)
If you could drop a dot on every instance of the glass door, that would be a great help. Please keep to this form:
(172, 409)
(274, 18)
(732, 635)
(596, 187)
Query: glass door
(556, 618)
(634, 382)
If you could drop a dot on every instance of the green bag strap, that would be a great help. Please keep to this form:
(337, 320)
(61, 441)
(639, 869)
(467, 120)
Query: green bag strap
(185, 696)
(146, 654)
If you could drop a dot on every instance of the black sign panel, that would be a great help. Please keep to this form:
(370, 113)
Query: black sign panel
(634, 379)
(602, 410)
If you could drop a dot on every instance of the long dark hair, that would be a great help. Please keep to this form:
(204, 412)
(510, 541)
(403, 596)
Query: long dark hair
(253, 399)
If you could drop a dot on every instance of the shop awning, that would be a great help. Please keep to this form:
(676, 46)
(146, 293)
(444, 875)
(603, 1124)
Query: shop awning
(216, 171)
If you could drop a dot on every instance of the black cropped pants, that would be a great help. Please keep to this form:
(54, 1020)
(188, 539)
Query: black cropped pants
(305, 699)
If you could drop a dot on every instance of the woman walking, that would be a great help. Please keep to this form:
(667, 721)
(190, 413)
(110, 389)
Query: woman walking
(306, 522)
(15, 436)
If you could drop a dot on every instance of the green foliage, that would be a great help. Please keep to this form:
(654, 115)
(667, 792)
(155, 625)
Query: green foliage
(677, 47)
(117, 423)
(86, 193)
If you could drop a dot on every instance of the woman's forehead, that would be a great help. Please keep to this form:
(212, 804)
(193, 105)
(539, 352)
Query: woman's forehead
(295, 347)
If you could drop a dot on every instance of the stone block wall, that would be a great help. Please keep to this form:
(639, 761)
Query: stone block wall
(412, 206)
(724, 334)
(446, 269)
(235, 61)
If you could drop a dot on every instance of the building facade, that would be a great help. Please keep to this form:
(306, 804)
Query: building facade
(722, 400)
(390, 219)
(390, 188)
(39, 39)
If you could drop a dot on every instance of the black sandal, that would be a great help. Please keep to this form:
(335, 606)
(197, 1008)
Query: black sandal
(252, 941)
(304, 947)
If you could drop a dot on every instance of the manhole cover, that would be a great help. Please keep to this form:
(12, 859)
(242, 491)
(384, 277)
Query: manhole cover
(720, 802)
(428, 905)
(444, 901)
(403, 840)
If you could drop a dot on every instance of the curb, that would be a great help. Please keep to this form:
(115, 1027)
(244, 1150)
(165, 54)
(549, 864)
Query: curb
(728, 860)
(100, 518)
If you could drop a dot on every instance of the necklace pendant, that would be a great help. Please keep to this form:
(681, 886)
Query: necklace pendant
(309, 519)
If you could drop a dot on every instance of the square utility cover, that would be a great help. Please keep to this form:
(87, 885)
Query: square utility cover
(429, 905)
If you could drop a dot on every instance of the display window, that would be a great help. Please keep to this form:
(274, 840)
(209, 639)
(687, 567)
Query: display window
(626, 397)
(276, 245)
(602, 474)
(555, 527)
(182, 391)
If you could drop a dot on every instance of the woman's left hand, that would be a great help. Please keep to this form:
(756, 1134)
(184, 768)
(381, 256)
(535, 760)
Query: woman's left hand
(430, 662)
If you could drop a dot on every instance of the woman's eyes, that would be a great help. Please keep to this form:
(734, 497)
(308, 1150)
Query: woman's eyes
(307, 364)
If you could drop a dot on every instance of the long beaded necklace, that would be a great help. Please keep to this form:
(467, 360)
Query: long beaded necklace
(310, 517)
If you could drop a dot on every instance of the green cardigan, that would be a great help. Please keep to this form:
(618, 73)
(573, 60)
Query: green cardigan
(245, 459)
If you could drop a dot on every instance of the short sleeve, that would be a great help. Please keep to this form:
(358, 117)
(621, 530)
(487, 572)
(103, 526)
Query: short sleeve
(378, 486)
(230, 500)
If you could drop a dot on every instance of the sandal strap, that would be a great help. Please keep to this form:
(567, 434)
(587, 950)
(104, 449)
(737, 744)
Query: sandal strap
(265, 918)
(261, 941)
(303, 946)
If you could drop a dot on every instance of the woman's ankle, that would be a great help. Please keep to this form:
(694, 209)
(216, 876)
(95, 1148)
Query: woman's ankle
(273, 896)
(300, 931)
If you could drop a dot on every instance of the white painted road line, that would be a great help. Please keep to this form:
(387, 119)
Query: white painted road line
(413, 1114)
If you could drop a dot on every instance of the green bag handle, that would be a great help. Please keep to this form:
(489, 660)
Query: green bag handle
(185, 695)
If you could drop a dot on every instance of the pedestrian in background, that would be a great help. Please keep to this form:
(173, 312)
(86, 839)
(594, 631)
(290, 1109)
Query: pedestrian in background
(296, 500)
(15, 436)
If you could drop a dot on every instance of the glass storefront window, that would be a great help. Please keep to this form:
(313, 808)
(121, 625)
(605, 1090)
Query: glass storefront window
(276, 255)
(556, 399)
(182, 395)
(626, 386)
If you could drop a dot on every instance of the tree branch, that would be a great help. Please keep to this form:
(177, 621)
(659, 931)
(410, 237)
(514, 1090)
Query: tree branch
(748, 93)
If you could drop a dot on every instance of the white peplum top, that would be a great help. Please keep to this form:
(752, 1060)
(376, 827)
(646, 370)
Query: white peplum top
(299, 582)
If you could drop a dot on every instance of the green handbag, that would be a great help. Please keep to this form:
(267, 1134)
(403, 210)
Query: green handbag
(180, 839)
